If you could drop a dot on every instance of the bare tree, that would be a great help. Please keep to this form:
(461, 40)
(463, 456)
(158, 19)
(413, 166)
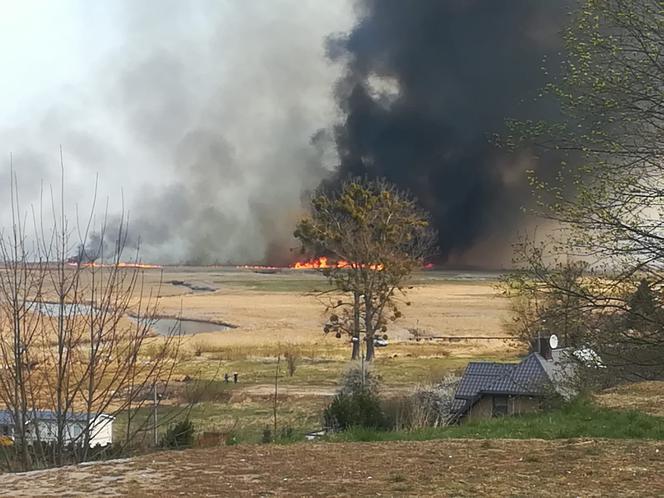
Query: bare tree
(78, 340)
(21, 280)
(549, 299)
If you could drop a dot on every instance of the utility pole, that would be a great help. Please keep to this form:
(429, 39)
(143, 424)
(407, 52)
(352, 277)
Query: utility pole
(362, 360)
(276, 393)
(154, 413)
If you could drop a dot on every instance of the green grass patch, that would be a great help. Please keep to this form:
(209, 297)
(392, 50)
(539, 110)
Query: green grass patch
(245, 421)
(414, 370)
(311, 281)
(400, 371)
(580, 419)
(279, 283)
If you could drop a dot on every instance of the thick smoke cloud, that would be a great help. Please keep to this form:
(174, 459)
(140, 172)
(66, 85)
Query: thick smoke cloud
(427, 83)
(201, 115)
(209, 121)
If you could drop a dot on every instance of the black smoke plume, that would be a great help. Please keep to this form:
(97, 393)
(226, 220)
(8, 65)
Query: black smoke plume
(427, 83)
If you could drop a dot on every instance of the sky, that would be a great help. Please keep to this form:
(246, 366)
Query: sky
(45, 46)
(206, 120)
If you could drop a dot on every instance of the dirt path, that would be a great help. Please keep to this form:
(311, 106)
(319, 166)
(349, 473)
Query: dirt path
(455, 467)
(267, 390)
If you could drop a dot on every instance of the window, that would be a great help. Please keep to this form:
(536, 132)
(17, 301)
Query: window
(4, 430)
(500, 404)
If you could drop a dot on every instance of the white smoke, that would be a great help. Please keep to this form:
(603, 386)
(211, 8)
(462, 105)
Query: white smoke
(205, 115)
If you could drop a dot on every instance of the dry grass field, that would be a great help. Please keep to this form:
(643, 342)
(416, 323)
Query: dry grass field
(278, 312)
(280, 308)
(457, 317)
(646, 397)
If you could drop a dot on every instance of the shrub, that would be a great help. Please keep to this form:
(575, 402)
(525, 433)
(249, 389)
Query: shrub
(358, 409)
(267, 435)
(179, 435)
(201, 391)
(357, 379)
(292, 356)
(357, 404)
(429, 406)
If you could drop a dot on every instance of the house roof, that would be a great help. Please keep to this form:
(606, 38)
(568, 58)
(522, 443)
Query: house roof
(525, 378)
(480, 376)
(7, 417)
(533, 376)
(561, 370)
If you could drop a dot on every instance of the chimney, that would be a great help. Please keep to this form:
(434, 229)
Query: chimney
(543, 347)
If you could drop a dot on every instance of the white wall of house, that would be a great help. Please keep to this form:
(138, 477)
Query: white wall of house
(43, 430)
(101, 431)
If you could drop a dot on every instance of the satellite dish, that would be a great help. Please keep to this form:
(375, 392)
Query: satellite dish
(553, 341)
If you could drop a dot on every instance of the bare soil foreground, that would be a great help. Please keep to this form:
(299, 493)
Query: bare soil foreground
(451, 467)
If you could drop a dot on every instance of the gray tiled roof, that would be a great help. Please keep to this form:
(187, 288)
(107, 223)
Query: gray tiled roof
(525, 378)
(533, 376)
(561, 369)
(458, 405)
(480, 376)
(6, 417)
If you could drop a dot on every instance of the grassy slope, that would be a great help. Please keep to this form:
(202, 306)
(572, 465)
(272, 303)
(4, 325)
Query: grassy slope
(581, 419)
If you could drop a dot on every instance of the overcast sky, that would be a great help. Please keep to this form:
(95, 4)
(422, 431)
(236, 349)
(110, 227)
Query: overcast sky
(202, 112)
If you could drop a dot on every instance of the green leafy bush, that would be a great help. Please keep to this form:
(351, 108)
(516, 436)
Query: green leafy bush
(202, 391)
(357, 409)
(359, 378)
(179, 435)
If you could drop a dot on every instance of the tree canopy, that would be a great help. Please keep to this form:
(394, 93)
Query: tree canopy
(381, 236)
(606, 199)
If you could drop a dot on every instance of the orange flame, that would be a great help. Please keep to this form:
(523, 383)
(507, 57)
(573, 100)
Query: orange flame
(324, 262)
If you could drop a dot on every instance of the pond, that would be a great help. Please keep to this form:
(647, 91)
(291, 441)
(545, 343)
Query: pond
(161, 325)
(184, 326)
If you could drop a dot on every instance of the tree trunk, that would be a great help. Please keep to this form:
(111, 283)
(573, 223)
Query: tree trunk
(370, 349)
(356, 327)
(355, 355)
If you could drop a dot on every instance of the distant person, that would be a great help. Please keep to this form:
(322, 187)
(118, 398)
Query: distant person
(226, 377)
(234, 377)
